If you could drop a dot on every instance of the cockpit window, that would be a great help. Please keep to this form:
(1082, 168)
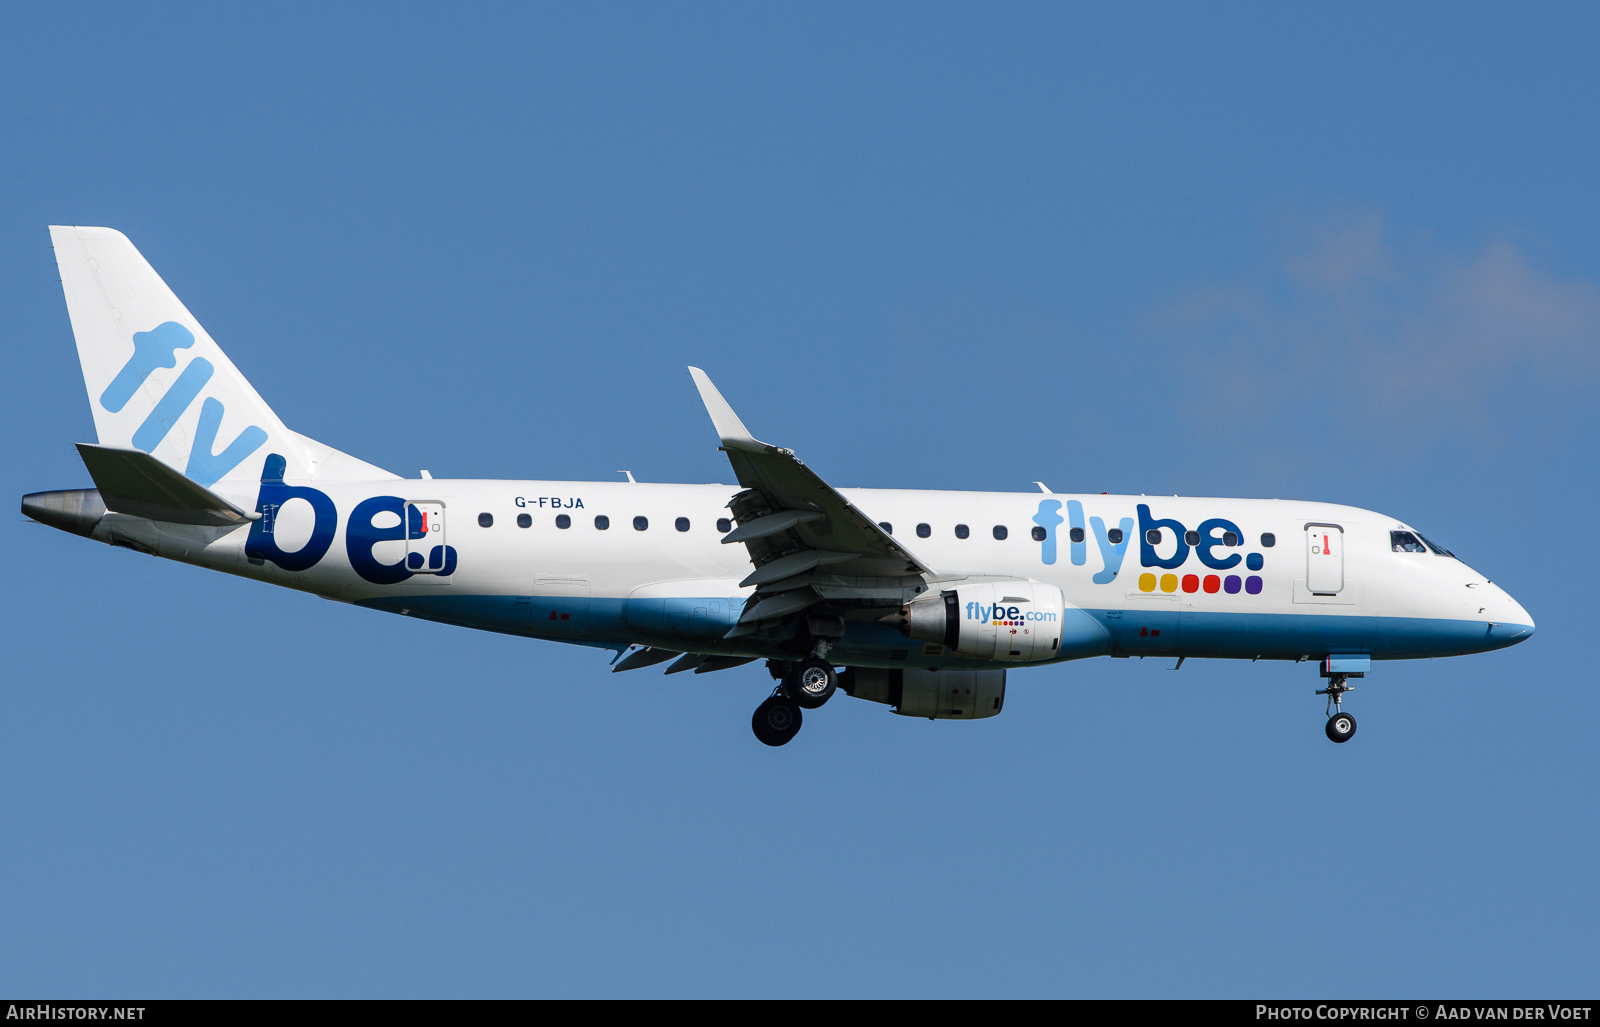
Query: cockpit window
(1436, 547)
(1405, 542)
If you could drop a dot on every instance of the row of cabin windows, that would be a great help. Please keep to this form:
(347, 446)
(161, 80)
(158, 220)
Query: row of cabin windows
(1192, 538)
(601, 523)
(1114, 535)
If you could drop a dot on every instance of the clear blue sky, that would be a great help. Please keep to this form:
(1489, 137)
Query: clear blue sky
(1342, 253)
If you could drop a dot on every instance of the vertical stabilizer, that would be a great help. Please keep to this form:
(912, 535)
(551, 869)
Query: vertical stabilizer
(157, 382)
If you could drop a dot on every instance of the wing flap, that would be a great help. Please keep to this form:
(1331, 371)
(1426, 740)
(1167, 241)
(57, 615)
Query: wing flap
(793, 565)
(771, 524)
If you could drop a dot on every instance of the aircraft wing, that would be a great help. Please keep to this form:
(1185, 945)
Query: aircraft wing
(808, 543)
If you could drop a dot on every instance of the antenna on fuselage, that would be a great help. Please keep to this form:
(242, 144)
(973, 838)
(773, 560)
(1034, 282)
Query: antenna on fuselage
(630, 477)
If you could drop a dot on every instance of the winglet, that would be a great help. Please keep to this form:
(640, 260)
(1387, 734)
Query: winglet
(732, 431)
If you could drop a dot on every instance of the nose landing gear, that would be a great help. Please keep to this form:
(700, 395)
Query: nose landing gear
(1341, 726)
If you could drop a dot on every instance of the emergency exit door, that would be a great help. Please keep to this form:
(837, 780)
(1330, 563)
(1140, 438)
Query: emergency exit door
(1324, 559)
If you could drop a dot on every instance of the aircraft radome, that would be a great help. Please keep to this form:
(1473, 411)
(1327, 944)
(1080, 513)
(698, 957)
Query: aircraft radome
(921, 601)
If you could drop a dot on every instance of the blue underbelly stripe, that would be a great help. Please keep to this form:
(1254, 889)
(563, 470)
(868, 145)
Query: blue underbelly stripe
(689, 622)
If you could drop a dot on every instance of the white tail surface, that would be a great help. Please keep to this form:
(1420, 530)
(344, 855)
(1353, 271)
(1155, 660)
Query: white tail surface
(158, 382)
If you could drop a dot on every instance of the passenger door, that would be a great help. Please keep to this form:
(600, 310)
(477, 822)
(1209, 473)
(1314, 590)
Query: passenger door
(1324, 559)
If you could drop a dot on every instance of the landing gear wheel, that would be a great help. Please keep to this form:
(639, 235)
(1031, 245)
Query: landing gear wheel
(1341, 727)
(811, 683)
(776, 721)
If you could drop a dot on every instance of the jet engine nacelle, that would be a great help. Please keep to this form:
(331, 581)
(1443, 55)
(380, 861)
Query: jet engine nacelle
(1005, 621)
(935, 694)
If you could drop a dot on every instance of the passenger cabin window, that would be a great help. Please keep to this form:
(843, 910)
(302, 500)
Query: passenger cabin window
(1153, 536)
(562, 521)
(1192, 537)
(962, 531)
(486, 520)
(1000, 532)
(1268, 540)
(1230, 538)
(1405, 542)
(1076, 534)
(682, 524)
(724, 525)
(887, 527)
(602, 522)
(1039, 534)
(1114, 536)
(526, 520)
(923, 531)
(641, 523)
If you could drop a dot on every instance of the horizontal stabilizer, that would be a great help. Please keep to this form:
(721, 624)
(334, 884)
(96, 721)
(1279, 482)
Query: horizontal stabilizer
(136, 483)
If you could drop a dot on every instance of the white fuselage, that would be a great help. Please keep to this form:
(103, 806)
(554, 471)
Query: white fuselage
(678, 589)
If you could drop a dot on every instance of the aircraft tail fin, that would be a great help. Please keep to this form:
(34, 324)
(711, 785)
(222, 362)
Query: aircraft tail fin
(160, 384)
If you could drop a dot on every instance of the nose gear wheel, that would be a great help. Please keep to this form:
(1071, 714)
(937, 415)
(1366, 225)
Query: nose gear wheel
(1341, 726)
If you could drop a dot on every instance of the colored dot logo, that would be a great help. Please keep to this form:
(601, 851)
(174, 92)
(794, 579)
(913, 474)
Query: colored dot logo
(1210, 584)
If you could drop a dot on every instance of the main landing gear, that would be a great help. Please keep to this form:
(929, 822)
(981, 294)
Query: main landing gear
(776, 721)
(811, 683)
(803, 686)
(1341, 726)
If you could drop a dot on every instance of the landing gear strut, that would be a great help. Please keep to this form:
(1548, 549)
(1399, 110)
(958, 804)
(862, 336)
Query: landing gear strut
(1341, 726)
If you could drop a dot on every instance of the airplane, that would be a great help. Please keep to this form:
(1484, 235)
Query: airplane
(921, 601)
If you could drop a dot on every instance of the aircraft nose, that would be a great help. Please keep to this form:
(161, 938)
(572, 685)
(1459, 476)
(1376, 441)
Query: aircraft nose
(1516, 625)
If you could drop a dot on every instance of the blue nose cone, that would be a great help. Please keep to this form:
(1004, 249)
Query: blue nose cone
(1515, 625)
(1502, 635)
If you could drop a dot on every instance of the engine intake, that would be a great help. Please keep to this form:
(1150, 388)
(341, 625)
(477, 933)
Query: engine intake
(1004, 621)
